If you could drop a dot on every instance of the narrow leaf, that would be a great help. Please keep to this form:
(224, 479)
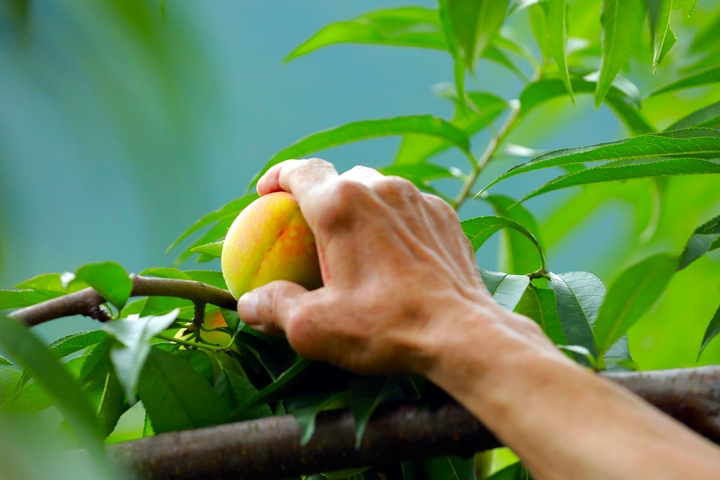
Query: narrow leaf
(712, 331)
(404, 26)
(109, 279)
(133, 347)
(4, 361)
(214, 249)
(659, 13)
(626, 170)
(363, 130)
(578, 296)
(557, 33)
(76, 342)
(29, 351)
(622, 22)
(479, 229)
(177, 397)
(704, 77)
(50, 282)
(706, 238)
(705, 117)
(631, 295)
(475, 23)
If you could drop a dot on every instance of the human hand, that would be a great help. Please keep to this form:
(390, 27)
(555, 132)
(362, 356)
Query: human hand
(399, 274)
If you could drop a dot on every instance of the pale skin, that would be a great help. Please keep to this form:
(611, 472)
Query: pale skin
(403, 294)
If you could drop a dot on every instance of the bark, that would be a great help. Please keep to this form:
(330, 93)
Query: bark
(270, 448)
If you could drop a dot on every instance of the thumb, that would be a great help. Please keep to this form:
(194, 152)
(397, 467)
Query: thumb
(267, 308)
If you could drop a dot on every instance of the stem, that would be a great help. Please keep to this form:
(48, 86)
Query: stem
(186, 343)
(497, 139)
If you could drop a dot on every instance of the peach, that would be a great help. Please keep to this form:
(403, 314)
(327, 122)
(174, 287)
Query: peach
(270, 240)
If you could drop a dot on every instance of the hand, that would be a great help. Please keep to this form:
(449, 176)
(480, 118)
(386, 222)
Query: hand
(399, 274)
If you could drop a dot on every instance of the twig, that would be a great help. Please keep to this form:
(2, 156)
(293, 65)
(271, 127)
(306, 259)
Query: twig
(270, 448)
(87, 302)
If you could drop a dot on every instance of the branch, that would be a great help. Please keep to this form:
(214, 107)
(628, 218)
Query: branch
(87, 302)
(270, 448)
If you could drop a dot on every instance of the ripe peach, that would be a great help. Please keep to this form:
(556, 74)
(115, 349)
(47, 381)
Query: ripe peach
(270, 240)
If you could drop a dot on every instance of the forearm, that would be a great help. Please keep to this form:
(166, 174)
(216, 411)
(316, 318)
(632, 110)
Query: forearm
(562, 420)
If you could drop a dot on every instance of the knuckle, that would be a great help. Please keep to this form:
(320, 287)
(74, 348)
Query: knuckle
(393, 189)
(344, 197)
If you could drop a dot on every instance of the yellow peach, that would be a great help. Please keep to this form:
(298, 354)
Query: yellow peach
(270, 240)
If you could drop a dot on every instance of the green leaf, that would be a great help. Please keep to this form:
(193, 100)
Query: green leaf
(416, 149)
(507, 290)
(164, 272)
(305, 409)
(578, 296)
(213, 249)
(663, 38)
(228, 211)
(626, 170)
(4, 361)
(366, 129)
(706, 238)
(539, 305)
(474, 24)
(177, 397)
(236, 390)
(24, 298)
(455, 51)
(622, 22)
(479, 229)
(557, 33)
(200, 362)
(705, 117)
(298, 368)
(617, 358)
(712, 331)
(27, 350)
(109, 279)
(107, 397)
(516, 471)
(631, 295)
(687, 5)
(9, 378)
(97, 362)
(704, 77)
(515, 256)
(51, 282)
(133, 345)
(366, 394)
(404, 26)
(449, 468)
(688, 142)
(76, 342)
(210, 277)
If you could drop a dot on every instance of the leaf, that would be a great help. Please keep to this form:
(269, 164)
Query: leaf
(366, 394)
(474, 24)
(235, 390)
(213, 249)
(229, 210)
(626, 170)
(97, 362)
(480, 229)
(278, 385)
(705, 117)
(539, 305)
(177, 397)
(27, 350)
(712, 331)
(704, 77)
(578, 296)
(631, 295)
(50, 282)
(366, 129)
(109, 279)
(617, 358)
(688, 142)
(305, 409)
(4, 361)
(507, 290)
(404, 26)
(200, 362)
(455, 51)
(516, 471)
(663, 38)
(557, 33)
(210, 277)
(622, 22)
(75, 342)
(164, 272)
(706, 238)
(516, 256)
(687, 5)
(24, 298)
(449, 468)
(107, 397)
(133, 345)
(416, 149)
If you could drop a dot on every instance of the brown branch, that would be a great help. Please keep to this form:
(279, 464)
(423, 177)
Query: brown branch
(270, 448)
(87, 302)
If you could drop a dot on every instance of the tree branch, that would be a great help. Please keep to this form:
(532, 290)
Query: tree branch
(87, 302)
(270, 448)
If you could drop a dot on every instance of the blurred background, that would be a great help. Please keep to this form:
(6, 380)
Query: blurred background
(123, 121)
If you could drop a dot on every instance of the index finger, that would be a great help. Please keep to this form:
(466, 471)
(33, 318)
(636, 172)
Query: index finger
(299, 177)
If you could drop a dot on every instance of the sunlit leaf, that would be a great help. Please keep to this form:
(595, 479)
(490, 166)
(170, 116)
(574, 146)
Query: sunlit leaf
(705, 117)
(4, 361)
(133, 345)
(578, 296)
(712, 331)
(23, 298)
(507, 290)
(109, 279)
(663, 38)
(622, 22)
(516, 471)
(213, 249)
(366, 129)
(177, 397)
(630, 296)
(706, 238)
(688, 6)
(480, 229)
(50, 282)
(557, 32)
(698, 79)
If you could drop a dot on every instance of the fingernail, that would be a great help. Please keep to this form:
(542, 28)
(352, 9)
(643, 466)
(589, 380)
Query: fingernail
(248, 308)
